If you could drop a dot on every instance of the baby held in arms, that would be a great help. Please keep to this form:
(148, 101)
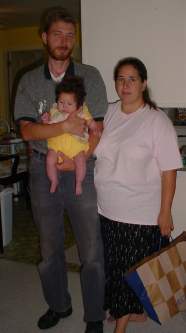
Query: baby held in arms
(70, 97)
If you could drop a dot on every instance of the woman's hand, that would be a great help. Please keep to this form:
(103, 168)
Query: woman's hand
(165, 223)
(66, 164)
(168, 189)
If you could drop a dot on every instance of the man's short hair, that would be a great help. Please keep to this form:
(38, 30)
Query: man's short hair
(54, 14)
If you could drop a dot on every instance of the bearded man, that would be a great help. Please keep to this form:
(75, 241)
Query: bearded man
(35, 95)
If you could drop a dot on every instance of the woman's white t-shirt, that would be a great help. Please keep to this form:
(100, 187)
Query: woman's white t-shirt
(133, 151)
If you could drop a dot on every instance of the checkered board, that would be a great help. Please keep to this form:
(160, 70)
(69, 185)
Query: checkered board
(164, 278)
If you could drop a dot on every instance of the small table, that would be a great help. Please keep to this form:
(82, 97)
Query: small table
(12, 144)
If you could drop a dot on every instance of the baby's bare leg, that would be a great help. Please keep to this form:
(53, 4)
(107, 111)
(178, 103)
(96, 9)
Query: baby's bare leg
(51, 161)
(80, 170)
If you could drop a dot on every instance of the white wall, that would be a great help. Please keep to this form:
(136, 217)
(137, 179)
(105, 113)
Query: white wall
(153, 30)
(178, 208)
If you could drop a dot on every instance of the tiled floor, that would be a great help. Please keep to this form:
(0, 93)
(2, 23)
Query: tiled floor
(22, 302)
(21, 299)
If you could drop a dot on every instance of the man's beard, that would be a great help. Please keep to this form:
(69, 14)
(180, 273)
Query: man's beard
(56, 54)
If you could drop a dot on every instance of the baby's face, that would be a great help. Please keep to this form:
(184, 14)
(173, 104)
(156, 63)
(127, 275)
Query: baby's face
(67, 103)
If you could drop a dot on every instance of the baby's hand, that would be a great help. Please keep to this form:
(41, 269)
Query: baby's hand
(45, 118)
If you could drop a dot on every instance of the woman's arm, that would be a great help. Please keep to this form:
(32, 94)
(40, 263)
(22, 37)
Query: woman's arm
(167, 194)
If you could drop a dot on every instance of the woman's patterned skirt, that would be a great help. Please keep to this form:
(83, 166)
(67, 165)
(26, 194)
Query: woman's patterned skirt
(125, 245)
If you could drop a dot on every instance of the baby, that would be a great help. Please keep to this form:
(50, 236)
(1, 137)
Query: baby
(70, 96)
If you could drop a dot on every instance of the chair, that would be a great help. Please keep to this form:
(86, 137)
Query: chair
(13, 175)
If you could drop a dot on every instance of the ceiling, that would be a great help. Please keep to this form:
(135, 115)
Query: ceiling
(25, 13)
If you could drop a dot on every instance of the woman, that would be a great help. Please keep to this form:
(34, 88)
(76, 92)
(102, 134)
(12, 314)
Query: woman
(135, 177)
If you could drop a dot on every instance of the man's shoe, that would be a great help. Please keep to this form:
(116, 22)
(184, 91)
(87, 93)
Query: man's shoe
(94, 327)
(51, 318)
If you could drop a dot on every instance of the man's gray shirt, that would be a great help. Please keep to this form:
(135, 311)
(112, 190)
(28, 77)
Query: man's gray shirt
(36, 94)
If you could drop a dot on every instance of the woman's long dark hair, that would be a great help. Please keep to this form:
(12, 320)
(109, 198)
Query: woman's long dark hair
(142, 71)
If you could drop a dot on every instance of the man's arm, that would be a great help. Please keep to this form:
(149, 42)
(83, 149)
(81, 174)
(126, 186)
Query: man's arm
(167, 194)
(38, 131)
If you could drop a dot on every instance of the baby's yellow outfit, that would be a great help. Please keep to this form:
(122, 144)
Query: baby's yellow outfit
(68, 144)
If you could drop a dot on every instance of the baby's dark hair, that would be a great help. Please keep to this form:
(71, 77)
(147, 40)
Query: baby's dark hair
(72, 85)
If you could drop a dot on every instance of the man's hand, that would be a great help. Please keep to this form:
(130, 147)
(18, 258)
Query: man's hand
(67, 164)
(96, 128)
(74, 124)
